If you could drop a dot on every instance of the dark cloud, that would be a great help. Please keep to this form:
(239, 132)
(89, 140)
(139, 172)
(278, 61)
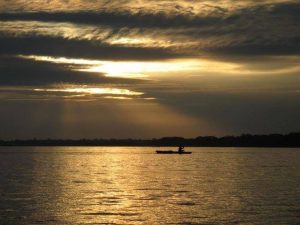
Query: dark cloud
(252, 49)
(264, 29)
(19, 72)
(115, 19)
(141, 19)
(43, 45)
(269, 29)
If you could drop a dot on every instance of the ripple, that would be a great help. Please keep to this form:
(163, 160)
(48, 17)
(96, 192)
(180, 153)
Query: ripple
(294, 210)
(19, 199)
(111, 202)
(191, 223)
(46, 220)
(186, 203)
(101, 223)
(147, 198)
(148, 189)
(80, 181)
(109, 198)
(110, 214)
(180, 191)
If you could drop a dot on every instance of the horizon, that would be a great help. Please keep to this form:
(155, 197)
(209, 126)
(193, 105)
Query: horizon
(290, 140)
(148, 69)
(157, 138)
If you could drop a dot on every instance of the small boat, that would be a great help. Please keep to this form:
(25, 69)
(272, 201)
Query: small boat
(172, 152)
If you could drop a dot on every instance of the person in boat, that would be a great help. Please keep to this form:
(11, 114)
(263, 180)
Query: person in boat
(181, 149)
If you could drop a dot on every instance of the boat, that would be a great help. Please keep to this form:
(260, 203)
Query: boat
(172, 152)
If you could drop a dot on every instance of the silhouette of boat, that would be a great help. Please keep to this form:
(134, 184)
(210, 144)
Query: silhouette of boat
(172, 152)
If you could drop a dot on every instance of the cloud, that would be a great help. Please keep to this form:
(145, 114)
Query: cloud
(252, 49)
(19, 72)
(115, 19)
(267, 28)
(52, 46)
(165, 19)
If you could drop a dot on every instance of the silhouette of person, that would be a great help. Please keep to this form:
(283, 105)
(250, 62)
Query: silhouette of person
(180, 149)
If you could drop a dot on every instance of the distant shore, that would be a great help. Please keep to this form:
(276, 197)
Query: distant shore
(245, 140)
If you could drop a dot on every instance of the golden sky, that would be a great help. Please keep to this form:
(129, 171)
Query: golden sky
(148, 68)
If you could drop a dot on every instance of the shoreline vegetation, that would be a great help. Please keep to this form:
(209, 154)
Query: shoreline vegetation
(245, 140)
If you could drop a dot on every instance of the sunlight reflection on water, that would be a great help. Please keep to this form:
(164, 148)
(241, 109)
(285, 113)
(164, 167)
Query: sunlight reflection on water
(113, 185)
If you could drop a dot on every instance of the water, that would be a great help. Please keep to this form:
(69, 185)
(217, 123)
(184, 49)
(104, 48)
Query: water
(122, 185)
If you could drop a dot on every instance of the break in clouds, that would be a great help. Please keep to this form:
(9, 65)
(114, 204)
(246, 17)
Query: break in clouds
(222, 67)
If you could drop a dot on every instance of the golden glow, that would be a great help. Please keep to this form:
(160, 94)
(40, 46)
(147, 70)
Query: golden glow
(128, 69)
(143, 41)
(137, 69)
(131, 41)
(127, 98)
(154, 69)
(94, 91)
(61, 60)
(118, 97)
(142, 69)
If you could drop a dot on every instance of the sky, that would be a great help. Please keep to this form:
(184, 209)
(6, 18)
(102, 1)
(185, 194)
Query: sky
(148, 68)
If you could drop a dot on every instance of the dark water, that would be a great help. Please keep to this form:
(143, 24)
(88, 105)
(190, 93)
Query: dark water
(105, 185)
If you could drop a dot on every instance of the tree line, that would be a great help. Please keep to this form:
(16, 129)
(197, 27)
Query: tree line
(245, 140)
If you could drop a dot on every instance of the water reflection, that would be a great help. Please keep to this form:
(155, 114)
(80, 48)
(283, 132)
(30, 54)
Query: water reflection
(134, 186)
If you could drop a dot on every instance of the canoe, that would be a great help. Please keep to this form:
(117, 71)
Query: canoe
(172, 152)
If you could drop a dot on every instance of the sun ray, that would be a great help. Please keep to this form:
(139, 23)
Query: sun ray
(92, 91)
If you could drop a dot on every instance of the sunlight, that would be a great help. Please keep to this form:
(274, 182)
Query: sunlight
(61, 60)
(154, 69)
(158, 69)
(118, 97)
(124, 69)
(143, 69)
(94, 91)
(142, 42)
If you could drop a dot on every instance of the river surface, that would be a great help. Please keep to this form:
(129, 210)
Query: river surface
(132, 185)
